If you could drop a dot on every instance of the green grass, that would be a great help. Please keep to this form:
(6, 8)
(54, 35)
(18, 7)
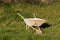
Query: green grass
(12, 27)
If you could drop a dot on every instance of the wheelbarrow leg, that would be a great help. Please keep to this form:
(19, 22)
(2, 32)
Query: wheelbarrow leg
(27, 27)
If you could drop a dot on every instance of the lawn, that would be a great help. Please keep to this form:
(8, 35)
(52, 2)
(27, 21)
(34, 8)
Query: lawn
(12, 27)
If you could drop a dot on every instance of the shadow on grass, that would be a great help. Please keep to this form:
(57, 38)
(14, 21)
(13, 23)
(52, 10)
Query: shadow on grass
(45, 25)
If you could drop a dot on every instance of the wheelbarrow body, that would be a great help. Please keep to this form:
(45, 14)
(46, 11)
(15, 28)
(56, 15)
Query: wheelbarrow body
(34, 21)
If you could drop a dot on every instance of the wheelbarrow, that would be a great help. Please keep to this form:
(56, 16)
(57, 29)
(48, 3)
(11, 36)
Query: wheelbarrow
(33, 22)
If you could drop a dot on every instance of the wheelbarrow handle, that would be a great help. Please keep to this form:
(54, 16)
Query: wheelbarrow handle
(21, 16)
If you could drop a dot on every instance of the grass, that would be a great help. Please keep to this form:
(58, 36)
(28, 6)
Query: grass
(12, 27)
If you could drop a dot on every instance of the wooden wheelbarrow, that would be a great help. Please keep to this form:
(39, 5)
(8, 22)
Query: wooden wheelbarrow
(33, 22)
